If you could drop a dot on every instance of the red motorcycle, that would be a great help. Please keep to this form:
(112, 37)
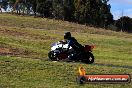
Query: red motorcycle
(59, 53)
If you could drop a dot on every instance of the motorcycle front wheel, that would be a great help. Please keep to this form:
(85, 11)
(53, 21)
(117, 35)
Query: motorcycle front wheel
(51, 56)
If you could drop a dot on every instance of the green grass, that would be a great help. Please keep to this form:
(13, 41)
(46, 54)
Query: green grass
(29, 40)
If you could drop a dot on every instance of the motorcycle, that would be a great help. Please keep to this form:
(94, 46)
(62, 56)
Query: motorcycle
(59, 52)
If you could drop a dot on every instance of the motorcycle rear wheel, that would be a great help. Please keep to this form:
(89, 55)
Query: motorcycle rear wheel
(89, 58)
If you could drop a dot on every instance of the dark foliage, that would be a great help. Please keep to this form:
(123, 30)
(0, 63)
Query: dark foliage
(124, 24)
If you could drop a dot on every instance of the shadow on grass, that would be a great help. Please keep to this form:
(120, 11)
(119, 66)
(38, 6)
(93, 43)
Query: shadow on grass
(99, 64)
(111, 65)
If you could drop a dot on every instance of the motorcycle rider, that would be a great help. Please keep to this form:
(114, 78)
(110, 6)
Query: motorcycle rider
(71, 41)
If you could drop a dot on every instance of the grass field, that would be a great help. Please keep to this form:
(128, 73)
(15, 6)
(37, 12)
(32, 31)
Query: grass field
(25, 42)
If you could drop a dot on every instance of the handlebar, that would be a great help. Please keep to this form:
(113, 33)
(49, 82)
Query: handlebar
(62, 42)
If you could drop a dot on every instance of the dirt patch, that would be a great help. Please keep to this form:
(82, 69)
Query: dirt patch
(13, 51)
(25, 53)
(12, 32)
(17, 52)
(5, 51)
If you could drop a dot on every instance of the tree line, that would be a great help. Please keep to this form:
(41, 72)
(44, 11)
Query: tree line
(90, 12)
